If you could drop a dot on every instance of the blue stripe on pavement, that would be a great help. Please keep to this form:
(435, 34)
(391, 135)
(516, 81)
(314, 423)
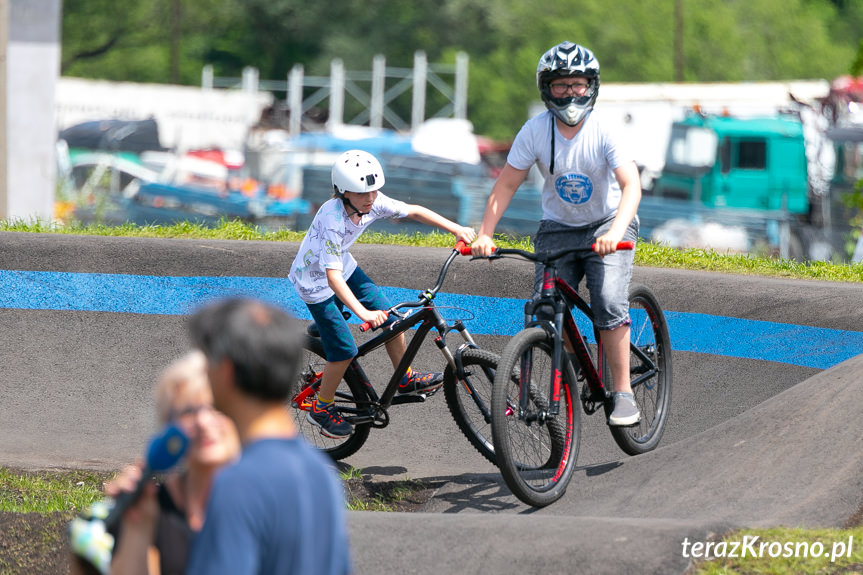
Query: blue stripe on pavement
(806, 346)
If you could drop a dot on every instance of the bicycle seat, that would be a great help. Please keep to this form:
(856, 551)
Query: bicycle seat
(312, 328)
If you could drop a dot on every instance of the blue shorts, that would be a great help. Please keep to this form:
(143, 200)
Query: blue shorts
(607, 278)
(336, 337)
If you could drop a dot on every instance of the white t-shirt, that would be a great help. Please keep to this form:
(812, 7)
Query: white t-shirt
(327, 242)
(583, 189)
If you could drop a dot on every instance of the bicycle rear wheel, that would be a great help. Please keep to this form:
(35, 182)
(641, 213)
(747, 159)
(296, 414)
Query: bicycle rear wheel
(351, 399)
(469, 400)
(650, 373)
(535, 452)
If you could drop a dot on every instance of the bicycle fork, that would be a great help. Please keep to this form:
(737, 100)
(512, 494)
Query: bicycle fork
(455, 362)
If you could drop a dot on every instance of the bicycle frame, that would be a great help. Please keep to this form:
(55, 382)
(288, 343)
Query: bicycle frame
(557, 294)
(426, 319)
(563, 323)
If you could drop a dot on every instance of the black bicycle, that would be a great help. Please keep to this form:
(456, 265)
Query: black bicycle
(536, 424)
(468, 377)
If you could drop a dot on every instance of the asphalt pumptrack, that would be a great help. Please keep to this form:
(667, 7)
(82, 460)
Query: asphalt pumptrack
(763, 429)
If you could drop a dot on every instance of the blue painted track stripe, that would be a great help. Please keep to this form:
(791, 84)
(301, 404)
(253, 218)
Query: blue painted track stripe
(785, 343)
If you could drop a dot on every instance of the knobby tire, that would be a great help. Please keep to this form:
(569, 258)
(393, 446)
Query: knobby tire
(648, 332)
(536, 459)
(464, 400)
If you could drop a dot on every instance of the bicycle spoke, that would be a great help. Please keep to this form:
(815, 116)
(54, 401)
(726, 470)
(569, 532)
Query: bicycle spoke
(536, 452)
(650, 370)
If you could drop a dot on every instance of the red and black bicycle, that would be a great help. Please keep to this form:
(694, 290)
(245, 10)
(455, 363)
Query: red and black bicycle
(536, 423)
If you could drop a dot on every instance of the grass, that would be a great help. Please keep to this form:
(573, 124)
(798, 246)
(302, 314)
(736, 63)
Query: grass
(817, 551)
(22, 492)
(49, 491)
(389, 496)
(648, 254)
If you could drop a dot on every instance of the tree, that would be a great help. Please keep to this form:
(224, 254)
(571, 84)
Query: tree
(634, 40)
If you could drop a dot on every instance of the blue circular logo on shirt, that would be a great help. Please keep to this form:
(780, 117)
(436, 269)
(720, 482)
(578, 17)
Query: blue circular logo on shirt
(574, 188)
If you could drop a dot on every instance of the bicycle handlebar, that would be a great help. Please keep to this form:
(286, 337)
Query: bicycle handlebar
(463, 248)
(425, 297)
(549, 255)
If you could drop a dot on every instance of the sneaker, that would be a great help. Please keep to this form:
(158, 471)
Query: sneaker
(330, 421)
(625, 410)
(415, 382)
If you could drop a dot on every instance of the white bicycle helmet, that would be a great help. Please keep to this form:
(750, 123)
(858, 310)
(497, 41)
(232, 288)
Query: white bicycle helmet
(566, 60)
(357, 171)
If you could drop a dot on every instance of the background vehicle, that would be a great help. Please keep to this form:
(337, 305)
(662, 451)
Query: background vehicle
(771, 179)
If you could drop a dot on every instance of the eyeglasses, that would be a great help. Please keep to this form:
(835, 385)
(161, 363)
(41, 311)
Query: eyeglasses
(559, 89)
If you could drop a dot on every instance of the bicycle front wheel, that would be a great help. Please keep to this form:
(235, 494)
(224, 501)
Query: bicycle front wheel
(535, 451)
(469, 400)
(650, 372)
(351, 400)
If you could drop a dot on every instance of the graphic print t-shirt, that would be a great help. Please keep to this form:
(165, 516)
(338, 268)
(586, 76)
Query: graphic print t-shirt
(327, 244)
(583, 189)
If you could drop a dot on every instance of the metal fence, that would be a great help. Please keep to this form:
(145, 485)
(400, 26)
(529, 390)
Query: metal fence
(374, 91)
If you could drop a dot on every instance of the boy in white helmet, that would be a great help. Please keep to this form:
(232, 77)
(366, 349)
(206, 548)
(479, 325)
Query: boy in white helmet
(328, 278)
(591, 194)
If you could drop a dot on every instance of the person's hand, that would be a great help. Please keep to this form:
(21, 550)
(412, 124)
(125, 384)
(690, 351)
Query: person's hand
(607, 244)
(375, 318)
(143, 513)
(466, 235)
(483, 246)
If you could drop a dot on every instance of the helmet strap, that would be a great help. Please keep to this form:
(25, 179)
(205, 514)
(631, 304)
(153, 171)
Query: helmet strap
(348, 203)
(551, 165)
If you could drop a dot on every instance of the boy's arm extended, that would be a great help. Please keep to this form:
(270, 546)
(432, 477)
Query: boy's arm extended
(340, 287)
(501, 195)
(431, 218)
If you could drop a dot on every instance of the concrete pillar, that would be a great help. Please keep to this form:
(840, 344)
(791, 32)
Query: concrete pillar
(29, 36)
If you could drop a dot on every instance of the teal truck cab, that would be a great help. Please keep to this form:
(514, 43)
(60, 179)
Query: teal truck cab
(725, 162)
(752, 173)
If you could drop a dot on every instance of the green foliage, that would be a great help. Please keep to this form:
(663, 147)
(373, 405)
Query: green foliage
(723, 40)
(857, 66)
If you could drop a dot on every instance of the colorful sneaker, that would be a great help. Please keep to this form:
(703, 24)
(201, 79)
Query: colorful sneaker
(415, 382)
(330, 421)
(625, 410)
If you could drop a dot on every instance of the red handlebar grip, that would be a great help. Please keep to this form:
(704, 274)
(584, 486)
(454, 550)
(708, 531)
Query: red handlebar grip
(365, 326)
(462, 248)
(620, 246)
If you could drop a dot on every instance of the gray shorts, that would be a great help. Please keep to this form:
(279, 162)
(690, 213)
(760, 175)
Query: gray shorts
(607, 278)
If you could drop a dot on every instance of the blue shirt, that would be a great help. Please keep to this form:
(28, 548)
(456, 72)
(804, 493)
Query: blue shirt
(280, 510)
